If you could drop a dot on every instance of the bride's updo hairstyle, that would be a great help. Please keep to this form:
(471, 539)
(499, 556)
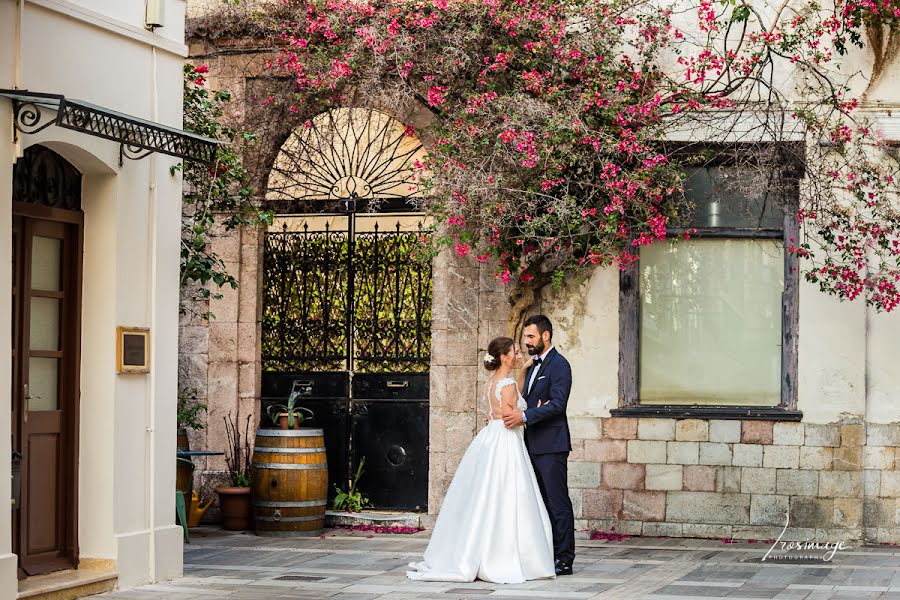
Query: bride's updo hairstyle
(497, 348)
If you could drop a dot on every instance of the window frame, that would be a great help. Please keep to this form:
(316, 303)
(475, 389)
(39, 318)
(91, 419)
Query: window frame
(630, 316)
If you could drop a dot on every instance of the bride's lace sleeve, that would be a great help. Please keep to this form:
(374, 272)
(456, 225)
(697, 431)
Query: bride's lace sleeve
(503, 383)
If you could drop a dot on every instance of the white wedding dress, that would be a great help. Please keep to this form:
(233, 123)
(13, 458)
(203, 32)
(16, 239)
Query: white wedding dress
(493, 524)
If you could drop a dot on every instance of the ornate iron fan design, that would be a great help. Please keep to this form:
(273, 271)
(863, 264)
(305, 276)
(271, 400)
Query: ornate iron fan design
(347, 158)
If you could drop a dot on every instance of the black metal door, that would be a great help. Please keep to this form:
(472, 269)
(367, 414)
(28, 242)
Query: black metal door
(347, 319)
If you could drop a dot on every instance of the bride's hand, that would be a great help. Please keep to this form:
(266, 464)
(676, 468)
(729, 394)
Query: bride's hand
(520, 360)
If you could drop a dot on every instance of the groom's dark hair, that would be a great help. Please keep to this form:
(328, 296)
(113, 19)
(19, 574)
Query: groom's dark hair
(543, 324)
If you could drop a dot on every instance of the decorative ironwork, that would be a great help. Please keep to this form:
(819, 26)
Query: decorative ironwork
(132, 133)
(43, 177)
(336, 300)
(305, 316)
(132, 152)
(347, 159)
(27, 117)
(392, 302)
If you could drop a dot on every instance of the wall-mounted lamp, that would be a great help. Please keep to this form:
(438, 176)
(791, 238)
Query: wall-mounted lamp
(154, 14)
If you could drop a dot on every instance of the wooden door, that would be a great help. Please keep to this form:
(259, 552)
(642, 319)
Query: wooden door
(46, 330)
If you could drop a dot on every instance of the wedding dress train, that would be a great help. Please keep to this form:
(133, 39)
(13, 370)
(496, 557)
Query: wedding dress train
(492, 524)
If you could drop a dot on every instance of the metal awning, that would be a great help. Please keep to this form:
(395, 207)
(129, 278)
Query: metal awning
(137, 137)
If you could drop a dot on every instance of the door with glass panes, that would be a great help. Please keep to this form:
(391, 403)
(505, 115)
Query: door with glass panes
(47, 246)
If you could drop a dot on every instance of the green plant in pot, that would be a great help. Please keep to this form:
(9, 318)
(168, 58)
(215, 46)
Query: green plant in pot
(289, 415)
(234, 500)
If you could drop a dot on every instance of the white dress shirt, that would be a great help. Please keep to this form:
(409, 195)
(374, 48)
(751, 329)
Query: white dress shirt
(534, 372)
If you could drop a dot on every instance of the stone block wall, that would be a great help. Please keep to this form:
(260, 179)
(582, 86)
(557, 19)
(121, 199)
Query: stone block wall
(469, 309)
(738, 479)
(219, 355)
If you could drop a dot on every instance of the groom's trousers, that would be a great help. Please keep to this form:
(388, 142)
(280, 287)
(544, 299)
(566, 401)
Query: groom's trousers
(551, 471)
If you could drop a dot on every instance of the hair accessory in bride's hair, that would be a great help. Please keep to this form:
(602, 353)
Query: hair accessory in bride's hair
(488, 358)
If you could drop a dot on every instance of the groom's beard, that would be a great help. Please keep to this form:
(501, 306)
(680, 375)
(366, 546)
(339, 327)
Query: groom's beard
(536, 350)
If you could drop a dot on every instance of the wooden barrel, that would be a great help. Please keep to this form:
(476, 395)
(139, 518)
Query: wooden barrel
(290, 482)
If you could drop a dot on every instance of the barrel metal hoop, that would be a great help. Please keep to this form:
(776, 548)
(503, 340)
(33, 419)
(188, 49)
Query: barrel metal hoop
(292, 467)
(290, 450)
(287, 519)
(289, 432)
(274, 504)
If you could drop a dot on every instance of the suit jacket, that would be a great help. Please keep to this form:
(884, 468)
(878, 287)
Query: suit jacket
(547, 429)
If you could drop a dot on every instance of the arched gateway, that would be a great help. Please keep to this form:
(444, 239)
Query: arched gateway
(347, 298)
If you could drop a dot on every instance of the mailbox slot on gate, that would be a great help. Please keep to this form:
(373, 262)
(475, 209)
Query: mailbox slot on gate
(303, 388)
(398, 384)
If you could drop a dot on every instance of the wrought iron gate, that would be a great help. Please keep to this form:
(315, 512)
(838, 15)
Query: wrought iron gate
(347, 321)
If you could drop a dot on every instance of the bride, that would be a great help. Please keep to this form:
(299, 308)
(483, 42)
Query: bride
(493, 524)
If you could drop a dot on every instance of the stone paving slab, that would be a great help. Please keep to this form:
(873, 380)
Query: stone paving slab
(344, 565)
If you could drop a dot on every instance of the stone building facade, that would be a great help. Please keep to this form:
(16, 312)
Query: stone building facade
(727, 476)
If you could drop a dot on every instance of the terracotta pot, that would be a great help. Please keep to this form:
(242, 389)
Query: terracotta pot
(283, 421)
(182, 439)
(235, 505)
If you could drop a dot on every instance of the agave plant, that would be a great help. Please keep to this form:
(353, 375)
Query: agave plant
(293, 411)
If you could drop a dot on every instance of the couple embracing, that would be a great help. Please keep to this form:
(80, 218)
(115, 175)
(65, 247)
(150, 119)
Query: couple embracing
(507, 516)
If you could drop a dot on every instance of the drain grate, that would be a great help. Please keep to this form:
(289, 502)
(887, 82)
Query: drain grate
(299, 578)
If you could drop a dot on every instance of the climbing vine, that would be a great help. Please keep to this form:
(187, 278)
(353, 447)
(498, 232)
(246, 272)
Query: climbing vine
(218, 198)
(562, 131)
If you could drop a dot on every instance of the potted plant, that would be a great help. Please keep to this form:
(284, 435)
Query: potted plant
(234, 500)
(289, 416)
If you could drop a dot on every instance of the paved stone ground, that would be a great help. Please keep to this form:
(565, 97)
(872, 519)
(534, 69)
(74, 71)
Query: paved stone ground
(355, 566)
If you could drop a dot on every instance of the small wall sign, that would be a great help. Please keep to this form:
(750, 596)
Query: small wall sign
(132, 350)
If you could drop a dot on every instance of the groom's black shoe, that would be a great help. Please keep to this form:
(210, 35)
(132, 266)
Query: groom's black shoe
(563, 569)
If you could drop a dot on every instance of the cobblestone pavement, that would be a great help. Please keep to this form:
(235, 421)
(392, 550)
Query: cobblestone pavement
(356, 566)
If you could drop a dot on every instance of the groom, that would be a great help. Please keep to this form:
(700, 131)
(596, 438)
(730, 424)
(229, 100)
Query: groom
(547, 384)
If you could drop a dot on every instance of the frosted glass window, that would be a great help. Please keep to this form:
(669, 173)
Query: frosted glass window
(45, 264)
(43, 383)
(44, 323)
(710, 322)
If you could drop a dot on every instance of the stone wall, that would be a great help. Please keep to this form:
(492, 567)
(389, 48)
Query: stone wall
(469, 310)
(219, 355)
(733, 478)
(834, 471)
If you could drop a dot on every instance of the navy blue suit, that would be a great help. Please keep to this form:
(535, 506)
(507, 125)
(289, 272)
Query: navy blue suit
(549, 443)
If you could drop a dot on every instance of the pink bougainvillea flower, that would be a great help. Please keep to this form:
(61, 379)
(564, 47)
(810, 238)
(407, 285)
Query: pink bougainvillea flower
(436, 95)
